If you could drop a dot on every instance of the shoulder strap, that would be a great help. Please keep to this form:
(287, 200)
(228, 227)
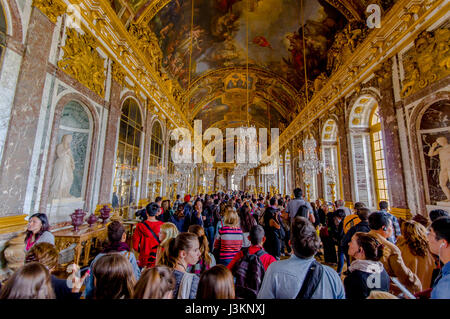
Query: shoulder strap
(260, 252)
(153, 233)
(312, 280)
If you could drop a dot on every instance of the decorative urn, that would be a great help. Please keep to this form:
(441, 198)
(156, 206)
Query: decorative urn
(92, 219)
(104, 213)
(77, 218)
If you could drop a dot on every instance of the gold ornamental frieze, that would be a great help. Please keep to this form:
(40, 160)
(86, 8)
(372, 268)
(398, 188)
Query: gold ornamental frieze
(427, 62)
(83, 62)
(51, 8)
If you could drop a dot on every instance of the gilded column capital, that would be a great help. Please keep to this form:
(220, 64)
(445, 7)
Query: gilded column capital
(51, 8)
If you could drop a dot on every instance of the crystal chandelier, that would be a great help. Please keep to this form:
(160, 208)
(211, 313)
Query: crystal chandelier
(310, 162)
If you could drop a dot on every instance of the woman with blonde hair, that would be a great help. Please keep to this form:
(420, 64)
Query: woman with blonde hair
(415, 250)
(113, 277)
(155, 283)
(216, 283)
(167, 232)
(229, 238)
(206, 260)
(31, 281)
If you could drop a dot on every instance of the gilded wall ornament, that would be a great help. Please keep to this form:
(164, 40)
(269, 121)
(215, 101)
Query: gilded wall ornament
(427, 62)
(118, 73)
(51, 8)
(82, 61)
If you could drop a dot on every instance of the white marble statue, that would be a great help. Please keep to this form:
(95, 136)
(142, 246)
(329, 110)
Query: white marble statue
(444, 157)
(62, 178)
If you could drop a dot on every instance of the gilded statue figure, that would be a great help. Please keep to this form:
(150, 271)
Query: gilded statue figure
(444, 157)
(62, 178)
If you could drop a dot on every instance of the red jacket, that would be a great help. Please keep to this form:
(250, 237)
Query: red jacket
(145, 243)
(266, 259)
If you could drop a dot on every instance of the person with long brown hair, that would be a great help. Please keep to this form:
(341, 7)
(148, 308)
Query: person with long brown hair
(47, 254)
(216, 283)
(206, 260)
(38, 231)
(246, 222)
(182, 251)
(31, 281)
(155, 283)
(113, 277)
(415, 250)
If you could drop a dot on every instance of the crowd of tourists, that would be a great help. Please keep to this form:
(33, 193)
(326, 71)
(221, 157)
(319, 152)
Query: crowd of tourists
(240, 246)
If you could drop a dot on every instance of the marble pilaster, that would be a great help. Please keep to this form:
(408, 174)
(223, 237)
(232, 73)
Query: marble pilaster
(17, 153)
(109, 157)
(392, 147)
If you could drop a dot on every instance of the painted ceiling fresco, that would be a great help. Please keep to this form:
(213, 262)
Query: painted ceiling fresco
(219, 36)
(218, 113)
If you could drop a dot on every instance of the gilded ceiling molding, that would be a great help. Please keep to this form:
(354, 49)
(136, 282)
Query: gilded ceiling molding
(101, 21)
(347, 8)
(427, 62)
(51, 8)
(400, 25)
(151, 10)
(82, 61)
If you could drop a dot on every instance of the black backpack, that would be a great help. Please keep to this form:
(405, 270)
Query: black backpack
(249, 273)
(302, 211)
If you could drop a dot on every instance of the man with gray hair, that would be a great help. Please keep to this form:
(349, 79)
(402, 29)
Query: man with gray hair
(340, 204)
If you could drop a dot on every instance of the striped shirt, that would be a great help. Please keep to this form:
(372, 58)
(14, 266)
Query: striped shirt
(228, 243)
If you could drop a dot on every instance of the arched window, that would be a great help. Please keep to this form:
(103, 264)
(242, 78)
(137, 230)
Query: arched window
(2, 34)
(128, 155)
(362, 134)
(379, 165)
(330, 160)
(287, 163)
(156, 145)
(155, 163)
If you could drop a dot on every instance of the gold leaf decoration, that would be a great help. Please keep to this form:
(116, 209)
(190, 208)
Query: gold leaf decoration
(427, 62)
(51, 8)
(82, 61)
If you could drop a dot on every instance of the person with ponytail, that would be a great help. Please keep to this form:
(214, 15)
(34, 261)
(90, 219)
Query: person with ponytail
(366, 271)
(182, 251)
(155, 283)
(206, 260)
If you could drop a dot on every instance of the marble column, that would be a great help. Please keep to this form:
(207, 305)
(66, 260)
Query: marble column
(391, 139)
(344, 155)
(109, 156)
(17, 154)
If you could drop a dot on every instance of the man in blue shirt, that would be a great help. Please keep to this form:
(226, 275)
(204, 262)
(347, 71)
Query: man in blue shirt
(284, 279)
(395, 224)
(439, 239)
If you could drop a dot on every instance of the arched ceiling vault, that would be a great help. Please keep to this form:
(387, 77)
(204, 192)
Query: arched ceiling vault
(203, 55)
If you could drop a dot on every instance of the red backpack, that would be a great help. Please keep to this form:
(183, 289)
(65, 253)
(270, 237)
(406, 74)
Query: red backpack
(249, 273)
